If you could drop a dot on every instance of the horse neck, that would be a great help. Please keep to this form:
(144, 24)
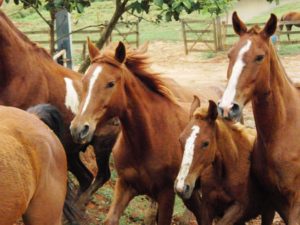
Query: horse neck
(225, 142)
(143, 114)
(233, 145)
(272, 99)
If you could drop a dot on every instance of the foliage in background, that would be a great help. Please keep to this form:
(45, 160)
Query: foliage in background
(53, 6)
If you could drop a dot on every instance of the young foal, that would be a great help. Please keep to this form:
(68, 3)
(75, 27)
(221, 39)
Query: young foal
(147, 154)
(33, 170)
(219, 152)
(256, 73)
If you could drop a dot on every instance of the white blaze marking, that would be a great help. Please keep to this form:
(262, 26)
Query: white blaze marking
(237, 69)
(71, 99)
(187, 157)
(93, 79)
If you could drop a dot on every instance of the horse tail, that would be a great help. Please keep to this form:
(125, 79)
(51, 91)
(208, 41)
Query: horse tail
(51, 116)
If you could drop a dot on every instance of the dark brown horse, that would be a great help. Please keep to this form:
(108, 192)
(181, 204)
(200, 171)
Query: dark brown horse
(33, 170)
(29, 76)
(290, 17)
(256, 74)
(147, 155)
(219, 152)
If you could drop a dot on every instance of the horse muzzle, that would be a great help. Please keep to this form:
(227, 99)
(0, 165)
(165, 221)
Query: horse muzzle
(82, 134)
(232, 112)
(184, 190)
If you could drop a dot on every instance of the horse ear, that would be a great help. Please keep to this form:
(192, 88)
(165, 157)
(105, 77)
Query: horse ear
(93, 50)
(212, 110)
(270, 27)
(238, 25)
(194, 106)
(120, 53)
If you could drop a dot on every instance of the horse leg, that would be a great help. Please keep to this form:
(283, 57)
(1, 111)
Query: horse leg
(166, 201)
(79, 170)
(232, 215)
(123, 194)
(102, 152)
(207, 214)
(267, 216)
(194, 204)
(294, 214)
(288, 29)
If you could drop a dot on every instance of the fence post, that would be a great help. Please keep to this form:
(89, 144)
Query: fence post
(63, 29)
(184, 37)
(215, 34)
(219, 33)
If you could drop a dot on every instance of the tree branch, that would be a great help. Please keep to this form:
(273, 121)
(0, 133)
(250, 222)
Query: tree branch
(139, 17)
(37, 11)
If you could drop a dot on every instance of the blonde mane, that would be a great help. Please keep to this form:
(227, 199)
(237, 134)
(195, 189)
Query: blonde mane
(138, 63)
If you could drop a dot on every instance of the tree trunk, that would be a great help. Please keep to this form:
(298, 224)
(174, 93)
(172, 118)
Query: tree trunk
(52, 32)
(120, 9)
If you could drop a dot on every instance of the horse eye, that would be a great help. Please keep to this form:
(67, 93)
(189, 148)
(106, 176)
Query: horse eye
(259, 58)
(110, 84)
(205, 144)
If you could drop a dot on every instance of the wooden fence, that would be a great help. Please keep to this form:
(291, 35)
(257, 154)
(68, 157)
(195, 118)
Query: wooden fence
(213, 35)
(229, 37)
(126, 32)
(199, 35)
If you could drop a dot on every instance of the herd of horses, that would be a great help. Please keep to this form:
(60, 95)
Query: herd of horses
(164, 139)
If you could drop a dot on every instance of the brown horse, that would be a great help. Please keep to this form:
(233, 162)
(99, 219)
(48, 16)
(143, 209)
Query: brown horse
(256, 73)
(147, 154)
(219, 152)
(29, 76)
(33, 170)
(290, 17)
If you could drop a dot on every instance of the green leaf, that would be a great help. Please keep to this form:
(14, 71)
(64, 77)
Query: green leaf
(79, 7)
(175, 4)
(16, 2)
(187, 4)
(159, 3)
(168, 16)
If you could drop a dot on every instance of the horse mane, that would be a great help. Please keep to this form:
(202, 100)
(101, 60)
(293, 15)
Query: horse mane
(236, 129)
(22, 36)
(138, 63)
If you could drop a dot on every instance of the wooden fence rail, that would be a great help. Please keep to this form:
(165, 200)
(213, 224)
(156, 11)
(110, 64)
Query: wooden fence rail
(126, 32)
(213, 35)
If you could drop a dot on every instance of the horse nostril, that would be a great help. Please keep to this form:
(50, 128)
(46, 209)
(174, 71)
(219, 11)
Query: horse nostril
(235, 107)
(186, 188)
(85, 130)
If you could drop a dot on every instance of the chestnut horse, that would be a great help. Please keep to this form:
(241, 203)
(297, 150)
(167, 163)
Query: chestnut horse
(290, 17)
(29, 76)
(219, 151)
(256, 73)
(33, 170)
(147, 154)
